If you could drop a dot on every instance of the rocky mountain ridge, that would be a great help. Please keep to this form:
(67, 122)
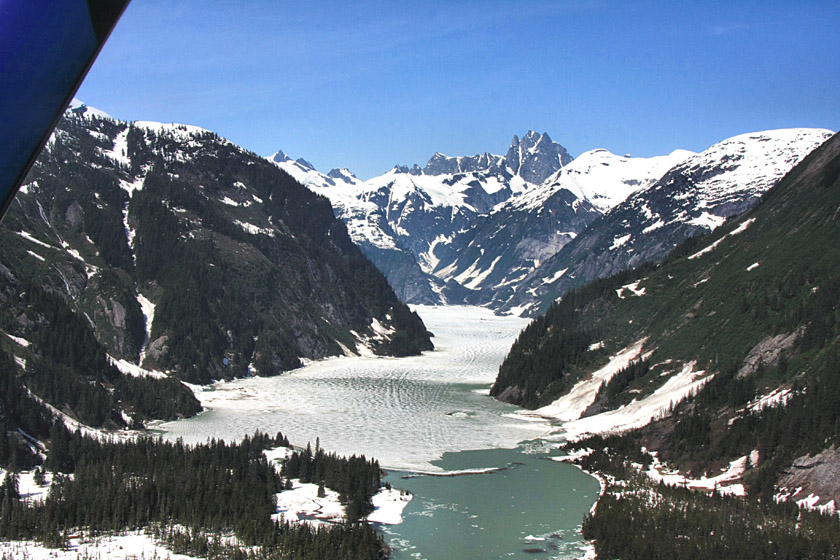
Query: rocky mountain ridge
(695, 196)
(399, 217)
(183, 256)
(726, 353)
(474, 230)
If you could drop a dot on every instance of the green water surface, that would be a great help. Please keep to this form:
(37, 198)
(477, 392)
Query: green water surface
(531, 508)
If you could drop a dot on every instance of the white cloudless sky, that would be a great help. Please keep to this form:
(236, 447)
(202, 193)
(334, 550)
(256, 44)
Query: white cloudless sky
(367, 85)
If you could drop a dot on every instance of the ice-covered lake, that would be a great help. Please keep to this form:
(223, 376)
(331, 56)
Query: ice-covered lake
(406, 412)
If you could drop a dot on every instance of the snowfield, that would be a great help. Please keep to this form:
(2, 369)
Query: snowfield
(571, 405)
(133, 545)
(727, 482)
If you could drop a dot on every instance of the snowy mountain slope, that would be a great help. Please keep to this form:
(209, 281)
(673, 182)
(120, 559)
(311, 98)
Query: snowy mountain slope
(193, 256)
(353, 201)
(398, 217)
(502, 247)
(739, 326)
(695, 196)
(601, 178)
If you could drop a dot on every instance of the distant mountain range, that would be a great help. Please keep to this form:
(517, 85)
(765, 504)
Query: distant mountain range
(515, 232)
(400, 217)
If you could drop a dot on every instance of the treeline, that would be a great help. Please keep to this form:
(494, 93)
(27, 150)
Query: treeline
(346, 541)
(355, 479)
(68, 368)
(206, 490)
(542, 362)
(657, 521)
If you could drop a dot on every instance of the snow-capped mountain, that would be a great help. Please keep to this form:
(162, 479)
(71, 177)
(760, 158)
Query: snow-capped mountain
(501, 248)
(601, 178)
(727, 350)
(399, 217)
(695, 196)
(188, 254)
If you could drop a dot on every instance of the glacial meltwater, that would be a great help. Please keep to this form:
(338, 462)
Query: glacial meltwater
(421, 417)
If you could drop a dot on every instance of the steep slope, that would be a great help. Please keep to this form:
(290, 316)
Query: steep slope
(398, 218)
(189, 255)
(501, 248)
(693, 197)
(741, 325)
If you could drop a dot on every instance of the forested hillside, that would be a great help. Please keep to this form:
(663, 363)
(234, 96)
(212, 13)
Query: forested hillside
(185, 496)
(738, 339)
(168, 247)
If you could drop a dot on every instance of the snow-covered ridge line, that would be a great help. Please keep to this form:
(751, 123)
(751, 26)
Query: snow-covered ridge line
(602, 178)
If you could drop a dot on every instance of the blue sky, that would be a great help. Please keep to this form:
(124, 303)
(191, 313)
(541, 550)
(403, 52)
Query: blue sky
(367, 85)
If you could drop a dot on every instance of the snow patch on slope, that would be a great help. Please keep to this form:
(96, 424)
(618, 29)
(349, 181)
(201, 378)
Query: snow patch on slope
(740, 229)
(640, 413)
(724, 483)
(571, 405)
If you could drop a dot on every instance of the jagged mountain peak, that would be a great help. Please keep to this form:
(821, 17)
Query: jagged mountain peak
(343, 174)
(530, 160)
(280, 157)
(535, 157)
(413, 170)
(441, 164)
(305, 163)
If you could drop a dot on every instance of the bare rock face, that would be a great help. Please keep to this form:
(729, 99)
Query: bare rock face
(510, 395)
(155, 351)
(818, 475)
(74, 214)
(768, 352)
(115, 312)
(440, 164)
(536, 157)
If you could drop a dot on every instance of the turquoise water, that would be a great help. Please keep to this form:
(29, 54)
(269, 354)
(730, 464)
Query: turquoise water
(531, 508)
(420, 414)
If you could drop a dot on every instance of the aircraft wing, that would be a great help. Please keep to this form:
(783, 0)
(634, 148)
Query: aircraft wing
(46, 49)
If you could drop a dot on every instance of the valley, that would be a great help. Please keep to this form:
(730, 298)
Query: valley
(405, 412)
(423, 417)
(179, 286)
